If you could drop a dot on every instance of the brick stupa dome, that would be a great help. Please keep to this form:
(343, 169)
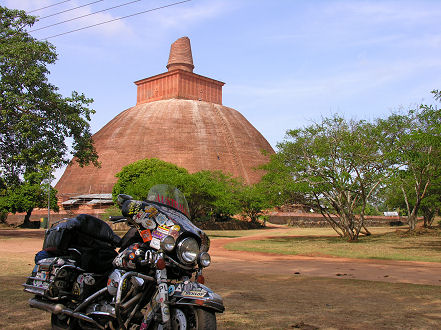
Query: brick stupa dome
(178, 118)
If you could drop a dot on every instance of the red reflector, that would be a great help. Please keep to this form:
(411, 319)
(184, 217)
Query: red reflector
(160, 264)
(199, 302)
(201, 279)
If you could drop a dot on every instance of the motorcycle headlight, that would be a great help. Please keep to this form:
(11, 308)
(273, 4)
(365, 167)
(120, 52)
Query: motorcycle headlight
(168, 243)
(188, 250)
(204, 259)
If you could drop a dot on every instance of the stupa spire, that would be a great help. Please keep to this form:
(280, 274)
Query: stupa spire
(180, 55)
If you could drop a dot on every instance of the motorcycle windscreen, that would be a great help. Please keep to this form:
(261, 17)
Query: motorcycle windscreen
(169, 195)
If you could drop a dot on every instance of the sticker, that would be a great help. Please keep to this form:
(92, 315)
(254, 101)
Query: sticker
(139, 217)
(76, 290)
(151, 211)
(131, 256)
(174, 234)
(158, 235)
(163, 230)
(188, 286)
(80, 279)
(176, 227)
(148, 223)
(178, 288)
(146, 235)
(171, 290)
(161, 219)
(162, 288)
(134, 208)
(195, 293)
(89, 280)
(169, 223)
(155, 243)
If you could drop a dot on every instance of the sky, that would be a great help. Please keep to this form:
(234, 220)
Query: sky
(285, 63)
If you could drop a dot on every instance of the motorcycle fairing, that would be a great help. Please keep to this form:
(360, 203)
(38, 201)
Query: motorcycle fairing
(168, 221)
(195, 294)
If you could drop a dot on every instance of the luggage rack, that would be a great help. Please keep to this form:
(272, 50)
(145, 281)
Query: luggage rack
(47, 277)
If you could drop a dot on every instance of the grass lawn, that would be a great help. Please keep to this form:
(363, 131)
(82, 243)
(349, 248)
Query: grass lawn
(385, 243)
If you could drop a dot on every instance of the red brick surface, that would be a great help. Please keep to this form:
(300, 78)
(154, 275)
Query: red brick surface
(179, 118)
(192, 134)
(180, 55)
(179, 84)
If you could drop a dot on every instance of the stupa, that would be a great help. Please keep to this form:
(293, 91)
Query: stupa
(178, 118)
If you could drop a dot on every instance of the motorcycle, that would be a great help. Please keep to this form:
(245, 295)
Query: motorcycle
(154, 281)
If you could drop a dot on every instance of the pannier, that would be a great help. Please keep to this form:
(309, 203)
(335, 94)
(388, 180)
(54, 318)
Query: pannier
(57, 278)
(88, 240)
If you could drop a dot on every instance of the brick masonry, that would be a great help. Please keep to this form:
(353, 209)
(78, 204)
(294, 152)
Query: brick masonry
(178, 118)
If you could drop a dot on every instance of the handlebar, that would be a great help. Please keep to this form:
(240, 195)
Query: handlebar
(117, 219)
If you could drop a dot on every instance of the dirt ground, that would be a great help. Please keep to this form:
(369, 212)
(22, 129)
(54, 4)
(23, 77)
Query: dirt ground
(273, 292)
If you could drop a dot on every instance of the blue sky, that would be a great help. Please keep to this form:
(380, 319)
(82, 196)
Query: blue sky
(285, 63)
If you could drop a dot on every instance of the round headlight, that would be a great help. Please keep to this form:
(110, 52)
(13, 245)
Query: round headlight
(188, 250)
(204, 259)
(168, 243)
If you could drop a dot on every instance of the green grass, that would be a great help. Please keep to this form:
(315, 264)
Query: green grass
(383, 244)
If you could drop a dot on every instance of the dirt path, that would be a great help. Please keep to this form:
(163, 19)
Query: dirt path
(331, 267)
(263, 290)
(267, 263)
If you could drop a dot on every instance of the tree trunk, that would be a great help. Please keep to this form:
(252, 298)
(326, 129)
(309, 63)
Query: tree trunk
(27, 218)
(411, 220)
(3, 217)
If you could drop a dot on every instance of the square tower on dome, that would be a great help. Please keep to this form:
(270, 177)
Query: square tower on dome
(179, 82)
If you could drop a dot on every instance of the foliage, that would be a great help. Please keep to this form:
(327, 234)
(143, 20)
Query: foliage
(35, 118)
(31, 193)
(210, 194)
(338, 164)
(278, 186)
(137, 178)
(253, 201)
(413, 144)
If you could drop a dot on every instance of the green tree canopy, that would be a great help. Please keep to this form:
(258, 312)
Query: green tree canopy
(338, 164)
(137, 178)
(30, 194)
(413, 143)
(210, 194)
(35, 119)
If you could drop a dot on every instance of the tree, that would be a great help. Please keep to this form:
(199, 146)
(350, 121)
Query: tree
(137, 178)
(413, 143)
(253, 201)
(338, 164)
(35, 118)
(210, 194)
(28, 195)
